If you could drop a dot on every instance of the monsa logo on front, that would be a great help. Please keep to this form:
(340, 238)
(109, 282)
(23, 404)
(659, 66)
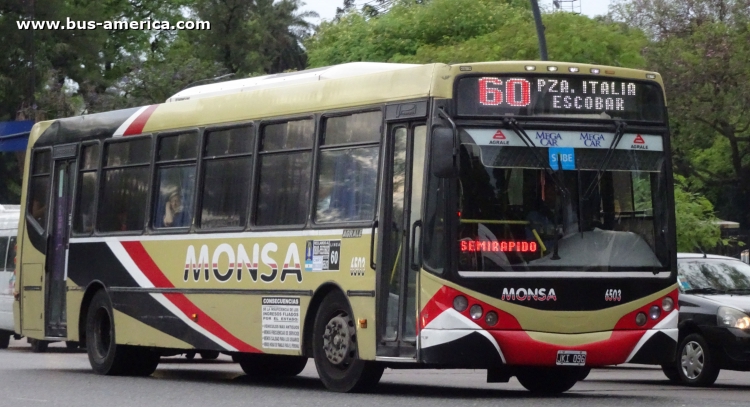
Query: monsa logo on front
(529, 294)
(239, 261)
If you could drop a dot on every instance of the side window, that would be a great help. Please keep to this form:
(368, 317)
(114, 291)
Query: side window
(3, 252)
(39, 193)
(176, 161)
(227, 162)
(348, 168)
(285, 165)
(83, 220)
(10, 263)
(125, 179)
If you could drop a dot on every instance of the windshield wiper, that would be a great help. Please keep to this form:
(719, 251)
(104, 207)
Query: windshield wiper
(705, 290)
(619, 132)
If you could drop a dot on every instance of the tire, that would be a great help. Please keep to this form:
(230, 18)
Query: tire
(38, 345)
(261, 365)
(584, 373)
(548, 380)
(671, 372)
(209, 354)
(338, 363)
(72, 345)
(4, 340)
(190, 355)
(105, 355)
(695, 363)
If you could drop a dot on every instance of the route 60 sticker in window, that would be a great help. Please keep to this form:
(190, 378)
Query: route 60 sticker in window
(322, 255)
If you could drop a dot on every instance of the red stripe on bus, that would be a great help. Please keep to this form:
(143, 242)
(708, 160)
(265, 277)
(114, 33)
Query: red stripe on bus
(136, 127)
(144, 261)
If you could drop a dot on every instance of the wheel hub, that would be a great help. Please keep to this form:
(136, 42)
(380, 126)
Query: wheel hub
(338, 340)
(692, 360)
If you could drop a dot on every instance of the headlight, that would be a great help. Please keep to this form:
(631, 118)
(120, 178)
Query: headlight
(460, 303)
(732, 318)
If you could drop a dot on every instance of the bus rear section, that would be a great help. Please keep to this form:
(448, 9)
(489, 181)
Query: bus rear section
(549, 238)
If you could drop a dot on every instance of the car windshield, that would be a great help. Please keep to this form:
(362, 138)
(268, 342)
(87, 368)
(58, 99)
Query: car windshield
(515, 214)
(713, 275)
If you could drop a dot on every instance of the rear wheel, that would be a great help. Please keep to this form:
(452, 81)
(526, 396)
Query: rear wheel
(4, 339)
(548, 380)
(696, 365)
(335, 348)
(72, 345)
(105, 355)
(258, 365)
(38, 345)
(209, 354)
(190, 355)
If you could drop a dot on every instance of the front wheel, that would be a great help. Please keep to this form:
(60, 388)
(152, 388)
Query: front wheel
(696, 365)
(335, 348)
(105, 355)
(547, 380)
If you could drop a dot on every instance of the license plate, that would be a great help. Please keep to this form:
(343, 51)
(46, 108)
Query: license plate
(571, 357)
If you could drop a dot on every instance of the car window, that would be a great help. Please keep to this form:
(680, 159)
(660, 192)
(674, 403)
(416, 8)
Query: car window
(713, 273)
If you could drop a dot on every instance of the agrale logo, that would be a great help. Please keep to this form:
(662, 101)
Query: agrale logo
(499, 139)
(639, 143)
(529, 294)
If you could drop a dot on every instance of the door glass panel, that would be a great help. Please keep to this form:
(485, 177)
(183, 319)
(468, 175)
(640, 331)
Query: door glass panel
(417, 179)
(56, 317)
(395, 240)
(3, 250)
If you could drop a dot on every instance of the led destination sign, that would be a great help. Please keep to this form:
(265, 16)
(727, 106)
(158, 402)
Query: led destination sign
(597, 97)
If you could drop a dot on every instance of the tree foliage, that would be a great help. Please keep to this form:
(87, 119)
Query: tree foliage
(470, 31)
(696, 222)
(701, 47)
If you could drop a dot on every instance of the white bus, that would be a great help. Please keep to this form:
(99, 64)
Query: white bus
(8, 230)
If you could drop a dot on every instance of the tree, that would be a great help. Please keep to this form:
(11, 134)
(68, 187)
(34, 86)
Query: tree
(470, 31)
(701, 47)
(696, 222)
(253, 36)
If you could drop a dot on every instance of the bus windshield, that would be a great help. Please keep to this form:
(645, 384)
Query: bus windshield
(519, 210)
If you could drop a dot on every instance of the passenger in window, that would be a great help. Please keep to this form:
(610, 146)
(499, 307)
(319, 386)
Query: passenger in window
(325, 190)
(174, 212)
(38, 210)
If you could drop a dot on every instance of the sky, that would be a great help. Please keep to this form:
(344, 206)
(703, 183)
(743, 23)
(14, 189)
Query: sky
(327, 8)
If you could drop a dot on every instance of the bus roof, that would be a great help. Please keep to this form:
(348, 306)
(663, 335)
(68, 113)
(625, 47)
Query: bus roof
(336, 87)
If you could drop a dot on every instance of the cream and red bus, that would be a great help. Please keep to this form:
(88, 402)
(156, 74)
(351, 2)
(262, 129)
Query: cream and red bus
(509, 216)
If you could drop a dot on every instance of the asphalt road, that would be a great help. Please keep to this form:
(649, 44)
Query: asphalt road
(64, 378)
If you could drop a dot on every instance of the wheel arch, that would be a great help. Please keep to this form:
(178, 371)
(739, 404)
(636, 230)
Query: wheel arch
(312, 310)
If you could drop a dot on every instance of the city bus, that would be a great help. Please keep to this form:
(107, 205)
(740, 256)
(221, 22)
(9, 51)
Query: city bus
(509, 216)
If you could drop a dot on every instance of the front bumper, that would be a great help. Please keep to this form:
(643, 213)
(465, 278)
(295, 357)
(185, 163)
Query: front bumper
(464, 348)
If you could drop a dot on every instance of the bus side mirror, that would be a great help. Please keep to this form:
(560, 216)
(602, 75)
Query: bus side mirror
(443, 160)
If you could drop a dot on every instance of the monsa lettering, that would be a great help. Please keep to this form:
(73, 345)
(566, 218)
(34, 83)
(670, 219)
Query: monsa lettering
(529, 294)
(226, 262)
